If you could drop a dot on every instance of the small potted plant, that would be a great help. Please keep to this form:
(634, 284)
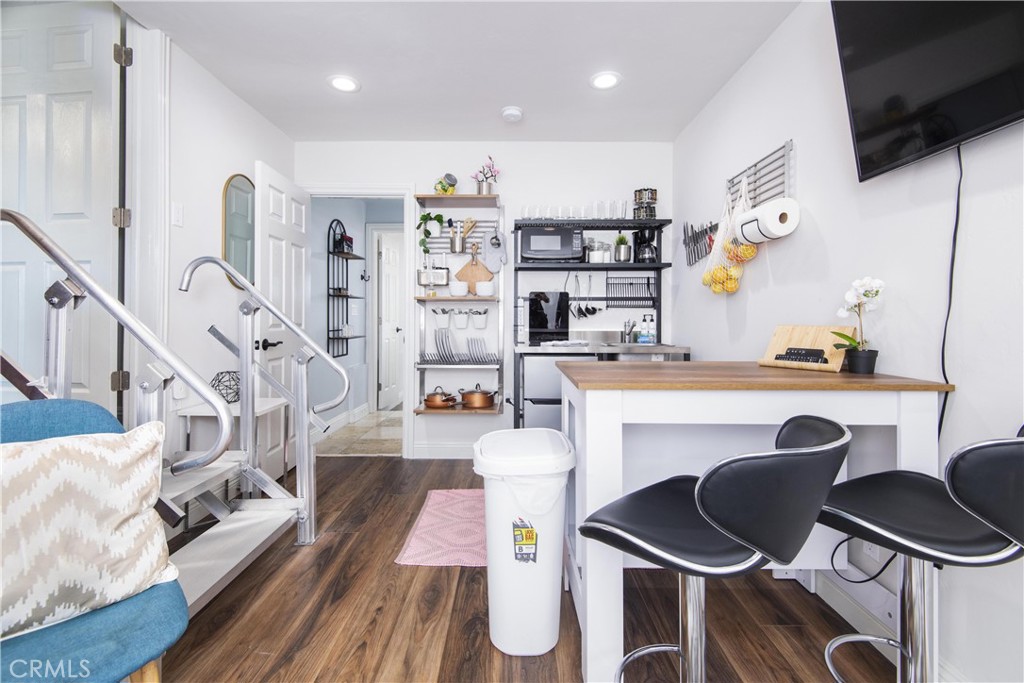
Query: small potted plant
(426, 218)
(623, 252)
(487, 175)
(862, 297)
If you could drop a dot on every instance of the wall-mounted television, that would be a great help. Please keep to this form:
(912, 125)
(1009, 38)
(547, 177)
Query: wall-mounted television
(921, 77)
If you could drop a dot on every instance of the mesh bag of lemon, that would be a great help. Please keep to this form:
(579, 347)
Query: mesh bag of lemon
(725, 263)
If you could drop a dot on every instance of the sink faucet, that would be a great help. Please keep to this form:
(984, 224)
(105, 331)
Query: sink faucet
(627, 330)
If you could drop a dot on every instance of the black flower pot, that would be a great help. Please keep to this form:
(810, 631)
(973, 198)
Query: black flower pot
(861, 362)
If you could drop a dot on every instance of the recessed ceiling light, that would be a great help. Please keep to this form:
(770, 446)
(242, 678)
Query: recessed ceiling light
(605, 80)
(345, 83)
(512, 114)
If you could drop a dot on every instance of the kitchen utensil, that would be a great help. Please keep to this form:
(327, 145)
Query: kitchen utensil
(467, 226)
(495, 240)
(590, 284)
(458, 242)
(439, 398)
(477, 398)
(474, 271)
(580, 313)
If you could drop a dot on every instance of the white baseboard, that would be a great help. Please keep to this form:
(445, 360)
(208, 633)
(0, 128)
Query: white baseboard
(868, 607)
(340, 420)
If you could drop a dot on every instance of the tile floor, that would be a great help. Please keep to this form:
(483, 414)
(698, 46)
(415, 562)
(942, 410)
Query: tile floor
(377, 434)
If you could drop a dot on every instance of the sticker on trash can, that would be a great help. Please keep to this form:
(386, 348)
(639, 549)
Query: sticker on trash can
(524, 537)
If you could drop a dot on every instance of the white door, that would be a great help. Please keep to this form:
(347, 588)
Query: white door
(282, 258)
(390, 335)
(59, 142)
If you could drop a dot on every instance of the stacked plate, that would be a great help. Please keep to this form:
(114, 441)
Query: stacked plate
(447, 354)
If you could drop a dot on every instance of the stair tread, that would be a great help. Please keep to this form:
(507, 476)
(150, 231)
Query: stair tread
(187, 485)
(210, 562)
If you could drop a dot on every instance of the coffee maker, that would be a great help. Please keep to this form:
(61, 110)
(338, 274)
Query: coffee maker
(645, 245)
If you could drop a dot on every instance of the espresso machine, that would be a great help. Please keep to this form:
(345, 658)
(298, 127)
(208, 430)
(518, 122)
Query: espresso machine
(645, 245)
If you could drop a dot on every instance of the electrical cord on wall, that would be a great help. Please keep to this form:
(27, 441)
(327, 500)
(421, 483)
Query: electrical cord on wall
(832, 561)
(949, 294)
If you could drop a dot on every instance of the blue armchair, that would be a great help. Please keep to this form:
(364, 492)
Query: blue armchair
(122, 640)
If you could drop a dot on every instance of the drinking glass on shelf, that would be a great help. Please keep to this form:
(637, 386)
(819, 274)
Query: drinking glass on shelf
(599, 210)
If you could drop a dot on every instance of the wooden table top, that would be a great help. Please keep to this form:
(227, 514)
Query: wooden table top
(729, 376)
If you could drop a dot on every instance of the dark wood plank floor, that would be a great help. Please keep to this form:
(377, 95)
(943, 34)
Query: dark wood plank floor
(342, 610)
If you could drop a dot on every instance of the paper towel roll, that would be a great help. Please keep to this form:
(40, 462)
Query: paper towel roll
(769, 221)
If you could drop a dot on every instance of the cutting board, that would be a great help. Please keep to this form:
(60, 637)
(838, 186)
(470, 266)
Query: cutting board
(806, 347)
(474, 272)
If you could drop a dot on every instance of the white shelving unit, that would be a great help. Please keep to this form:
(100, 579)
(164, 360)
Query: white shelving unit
(439, 366)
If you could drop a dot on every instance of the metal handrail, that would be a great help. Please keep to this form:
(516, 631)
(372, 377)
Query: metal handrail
(137, 329)
(241, 281)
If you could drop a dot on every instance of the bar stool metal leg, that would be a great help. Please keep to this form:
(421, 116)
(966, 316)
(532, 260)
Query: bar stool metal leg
(695, 629)
(915, 627)
(691, 605)
(914, 621)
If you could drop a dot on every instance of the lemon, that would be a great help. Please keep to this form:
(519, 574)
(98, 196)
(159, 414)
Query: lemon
(731, 285)
(716, 287)
(706, 279)
(747, 251)
(719, 274)
(735, 272)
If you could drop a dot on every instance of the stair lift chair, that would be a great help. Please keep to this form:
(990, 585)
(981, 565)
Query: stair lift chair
(975, 518)
(741, 514)
(121, 640)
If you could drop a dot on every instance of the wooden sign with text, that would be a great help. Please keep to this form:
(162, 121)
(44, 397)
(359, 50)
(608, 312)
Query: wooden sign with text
(806, 347)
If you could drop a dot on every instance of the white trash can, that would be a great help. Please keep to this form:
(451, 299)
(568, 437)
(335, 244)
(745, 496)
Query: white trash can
(525, 472)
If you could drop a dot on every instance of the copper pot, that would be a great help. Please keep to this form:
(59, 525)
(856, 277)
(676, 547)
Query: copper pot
(439, 398)
(477, 398)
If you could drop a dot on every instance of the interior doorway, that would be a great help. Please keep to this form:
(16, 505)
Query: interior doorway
(386, 268)
(371, 420)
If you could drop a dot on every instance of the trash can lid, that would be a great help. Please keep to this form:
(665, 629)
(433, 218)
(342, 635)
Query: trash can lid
(520, 452)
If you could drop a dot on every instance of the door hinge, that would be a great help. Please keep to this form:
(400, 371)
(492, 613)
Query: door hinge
(122, 217)
(120, 380)
(122, 55)
(380, 387)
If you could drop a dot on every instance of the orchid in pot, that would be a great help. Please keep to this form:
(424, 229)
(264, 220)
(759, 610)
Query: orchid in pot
(487, 174)
(864, 295)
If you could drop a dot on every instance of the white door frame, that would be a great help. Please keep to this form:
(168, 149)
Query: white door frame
(406, 192)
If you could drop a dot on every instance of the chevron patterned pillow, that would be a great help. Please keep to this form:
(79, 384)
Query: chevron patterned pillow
(79, 528)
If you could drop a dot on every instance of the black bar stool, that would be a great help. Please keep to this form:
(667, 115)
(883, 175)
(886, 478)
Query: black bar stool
(741, 514)
(973, 519)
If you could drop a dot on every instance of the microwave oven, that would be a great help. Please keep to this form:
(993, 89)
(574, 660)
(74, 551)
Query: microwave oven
(550, 243)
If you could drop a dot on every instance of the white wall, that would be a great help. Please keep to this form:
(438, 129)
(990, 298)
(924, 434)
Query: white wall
(213, 135)
(896, 227)
(533, 173)
(351, 212)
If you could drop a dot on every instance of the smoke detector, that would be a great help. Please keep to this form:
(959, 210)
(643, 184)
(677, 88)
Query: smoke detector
(512, 114)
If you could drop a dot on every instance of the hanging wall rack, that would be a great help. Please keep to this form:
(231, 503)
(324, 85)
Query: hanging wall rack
(768, 178)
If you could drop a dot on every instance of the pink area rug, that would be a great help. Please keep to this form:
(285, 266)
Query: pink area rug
(449, 532)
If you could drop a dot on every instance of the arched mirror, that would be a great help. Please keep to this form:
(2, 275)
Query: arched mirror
(239, 248)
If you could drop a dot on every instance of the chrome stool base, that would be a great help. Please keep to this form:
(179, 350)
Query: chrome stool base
(915, 625)
(646, 650)
(691, 606)
(856, 638)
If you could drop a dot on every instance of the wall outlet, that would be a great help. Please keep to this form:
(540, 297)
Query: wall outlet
(871, 550)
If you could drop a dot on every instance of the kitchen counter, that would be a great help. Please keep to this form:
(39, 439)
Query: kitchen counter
(603, 349)
(601, 402)
(731, 376)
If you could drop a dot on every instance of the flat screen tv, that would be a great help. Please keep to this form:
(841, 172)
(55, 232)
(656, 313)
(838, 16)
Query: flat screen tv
(921, 77)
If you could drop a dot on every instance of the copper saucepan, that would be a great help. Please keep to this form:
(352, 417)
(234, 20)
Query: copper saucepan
(439, 398)
(477, 398)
